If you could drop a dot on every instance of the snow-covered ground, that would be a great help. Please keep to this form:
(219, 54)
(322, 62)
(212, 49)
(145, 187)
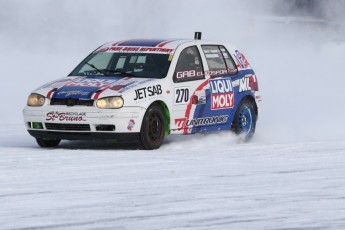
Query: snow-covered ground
(291, 176)
(198, 182)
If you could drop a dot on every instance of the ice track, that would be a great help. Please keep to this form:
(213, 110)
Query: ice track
(194, 182)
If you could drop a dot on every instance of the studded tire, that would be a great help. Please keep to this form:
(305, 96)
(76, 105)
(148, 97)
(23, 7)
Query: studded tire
(152, 128)
(47, 143)
(244, 123)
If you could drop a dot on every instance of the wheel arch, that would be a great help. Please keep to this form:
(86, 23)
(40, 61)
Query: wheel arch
(252, 100)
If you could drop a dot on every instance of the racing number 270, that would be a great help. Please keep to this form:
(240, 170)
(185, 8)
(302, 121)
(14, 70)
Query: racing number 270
(181, 95)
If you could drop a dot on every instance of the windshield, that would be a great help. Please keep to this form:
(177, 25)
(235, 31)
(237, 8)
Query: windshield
(145, 65)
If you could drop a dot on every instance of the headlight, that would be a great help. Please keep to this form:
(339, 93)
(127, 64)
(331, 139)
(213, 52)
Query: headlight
(110, 103)
(35, 100)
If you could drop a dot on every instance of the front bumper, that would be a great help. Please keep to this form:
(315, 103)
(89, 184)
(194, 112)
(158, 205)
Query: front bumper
(84, 135)
(83, 123)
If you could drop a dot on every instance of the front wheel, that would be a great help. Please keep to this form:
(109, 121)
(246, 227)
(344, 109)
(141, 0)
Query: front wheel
(47, 143)
(152, 128)
(245, 120)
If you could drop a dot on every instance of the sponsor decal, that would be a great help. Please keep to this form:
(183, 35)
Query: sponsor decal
(247, 83)
(148, 92)
(181, 95)
(189, 74)
(241, 59)
(73, 93)
(65, 116)
(122, 85)
(207, 121)
(203, 121)
(134, 49)
(217, 72)
(91, 82)
(222, 95)
(213, 55)
(180, 122)
(81, 87)
(193, 75)
(131, 124)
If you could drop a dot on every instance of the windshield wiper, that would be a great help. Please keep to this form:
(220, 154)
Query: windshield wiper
(117, 71)
(122, 72)
(99, 70)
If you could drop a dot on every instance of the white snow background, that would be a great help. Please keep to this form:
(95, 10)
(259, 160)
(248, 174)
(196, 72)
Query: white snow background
(291, 176)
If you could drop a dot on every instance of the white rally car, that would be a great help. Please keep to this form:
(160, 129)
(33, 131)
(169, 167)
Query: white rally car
(142, 90)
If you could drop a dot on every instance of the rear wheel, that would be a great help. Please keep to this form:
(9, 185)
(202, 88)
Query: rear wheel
(245, 120)
(152, 128)
(47, 143)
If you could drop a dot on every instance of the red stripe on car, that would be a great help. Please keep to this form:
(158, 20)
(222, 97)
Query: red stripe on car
(189, 106)
(50, 93)
(164, 43)
(117, 43)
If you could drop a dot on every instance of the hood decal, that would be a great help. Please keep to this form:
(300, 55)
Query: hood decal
(83, 88)
(91, 87)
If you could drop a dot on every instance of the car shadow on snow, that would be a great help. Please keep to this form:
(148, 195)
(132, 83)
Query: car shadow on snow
(99, 145)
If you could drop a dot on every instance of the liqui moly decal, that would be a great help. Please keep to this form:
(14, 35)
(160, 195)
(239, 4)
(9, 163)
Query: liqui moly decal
(222, 95)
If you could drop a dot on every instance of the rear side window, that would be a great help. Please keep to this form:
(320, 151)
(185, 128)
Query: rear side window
(230, 64)
(189, 66)
(219, 60)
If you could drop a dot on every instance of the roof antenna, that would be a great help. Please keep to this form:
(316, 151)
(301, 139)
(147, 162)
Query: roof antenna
(197, 36)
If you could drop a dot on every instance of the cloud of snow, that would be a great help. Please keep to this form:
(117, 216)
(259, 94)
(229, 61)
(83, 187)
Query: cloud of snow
(297, 53)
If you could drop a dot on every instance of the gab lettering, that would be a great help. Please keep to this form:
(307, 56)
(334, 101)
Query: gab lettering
(189, 74)
(222, 95)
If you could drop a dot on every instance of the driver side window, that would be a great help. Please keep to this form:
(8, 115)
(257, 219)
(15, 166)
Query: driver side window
(189, 66)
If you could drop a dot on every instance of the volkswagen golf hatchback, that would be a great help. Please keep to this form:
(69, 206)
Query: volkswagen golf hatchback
(143, 90)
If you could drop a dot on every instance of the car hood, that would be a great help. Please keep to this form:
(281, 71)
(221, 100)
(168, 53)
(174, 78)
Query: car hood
(87, 87)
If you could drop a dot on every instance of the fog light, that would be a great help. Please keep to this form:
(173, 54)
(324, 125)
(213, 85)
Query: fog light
(37, 125)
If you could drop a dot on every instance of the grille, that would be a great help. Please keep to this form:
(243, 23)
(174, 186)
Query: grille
(70, 102)
(71, 127)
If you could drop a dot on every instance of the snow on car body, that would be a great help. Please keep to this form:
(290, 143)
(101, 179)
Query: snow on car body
(146, 89)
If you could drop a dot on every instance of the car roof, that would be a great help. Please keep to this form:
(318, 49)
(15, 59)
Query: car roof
(157, 43)
(166, 43)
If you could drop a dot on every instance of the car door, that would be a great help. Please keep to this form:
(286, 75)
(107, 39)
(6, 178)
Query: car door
(220, 96)
(188, 78)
